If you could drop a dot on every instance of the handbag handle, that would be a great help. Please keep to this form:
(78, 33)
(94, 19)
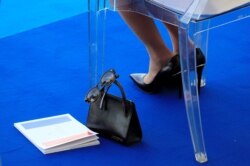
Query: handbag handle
(123, 97)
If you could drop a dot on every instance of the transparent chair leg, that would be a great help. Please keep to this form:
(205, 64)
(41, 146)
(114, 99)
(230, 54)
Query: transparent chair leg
(190, 90)
(96, 41)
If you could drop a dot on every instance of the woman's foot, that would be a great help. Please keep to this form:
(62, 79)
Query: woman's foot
(158, 59)
(154, 68)
(157, 80)
(154, 81)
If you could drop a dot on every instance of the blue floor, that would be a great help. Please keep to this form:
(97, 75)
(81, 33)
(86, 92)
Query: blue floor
(44, 72)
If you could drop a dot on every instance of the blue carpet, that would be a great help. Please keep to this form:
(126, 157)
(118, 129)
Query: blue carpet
(44, 72)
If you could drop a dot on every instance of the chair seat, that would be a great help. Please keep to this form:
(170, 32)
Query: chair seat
(205, 8)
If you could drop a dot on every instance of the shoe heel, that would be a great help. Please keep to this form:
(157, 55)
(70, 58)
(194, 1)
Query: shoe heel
(199, 75)
(180, 88)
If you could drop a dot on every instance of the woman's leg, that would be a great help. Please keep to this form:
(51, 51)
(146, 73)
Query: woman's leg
(173, 32)
(146, 30)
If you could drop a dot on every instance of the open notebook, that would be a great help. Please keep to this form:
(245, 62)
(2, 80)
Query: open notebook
(57, 133)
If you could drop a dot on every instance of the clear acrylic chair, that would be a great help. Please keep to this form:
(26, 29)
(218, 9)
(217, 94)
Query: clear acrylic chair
(194, 18)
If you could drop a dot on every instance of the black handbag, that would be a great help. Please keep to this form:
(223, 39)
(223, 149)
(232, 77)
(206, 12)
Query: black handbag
(112, 116)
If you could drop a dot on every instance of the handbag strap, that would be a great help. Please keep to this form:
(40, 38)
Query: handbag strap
(124, 104)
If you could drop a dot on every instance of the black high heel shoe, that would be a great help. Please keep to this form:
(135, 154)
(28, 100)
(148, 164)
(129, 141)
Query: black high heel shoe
(171, 71)
(159, 80)
(138, 79)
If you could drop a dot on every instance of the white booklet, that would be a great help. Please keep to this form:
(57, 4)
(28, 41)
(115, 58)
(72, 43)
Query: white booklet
(57, 133)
